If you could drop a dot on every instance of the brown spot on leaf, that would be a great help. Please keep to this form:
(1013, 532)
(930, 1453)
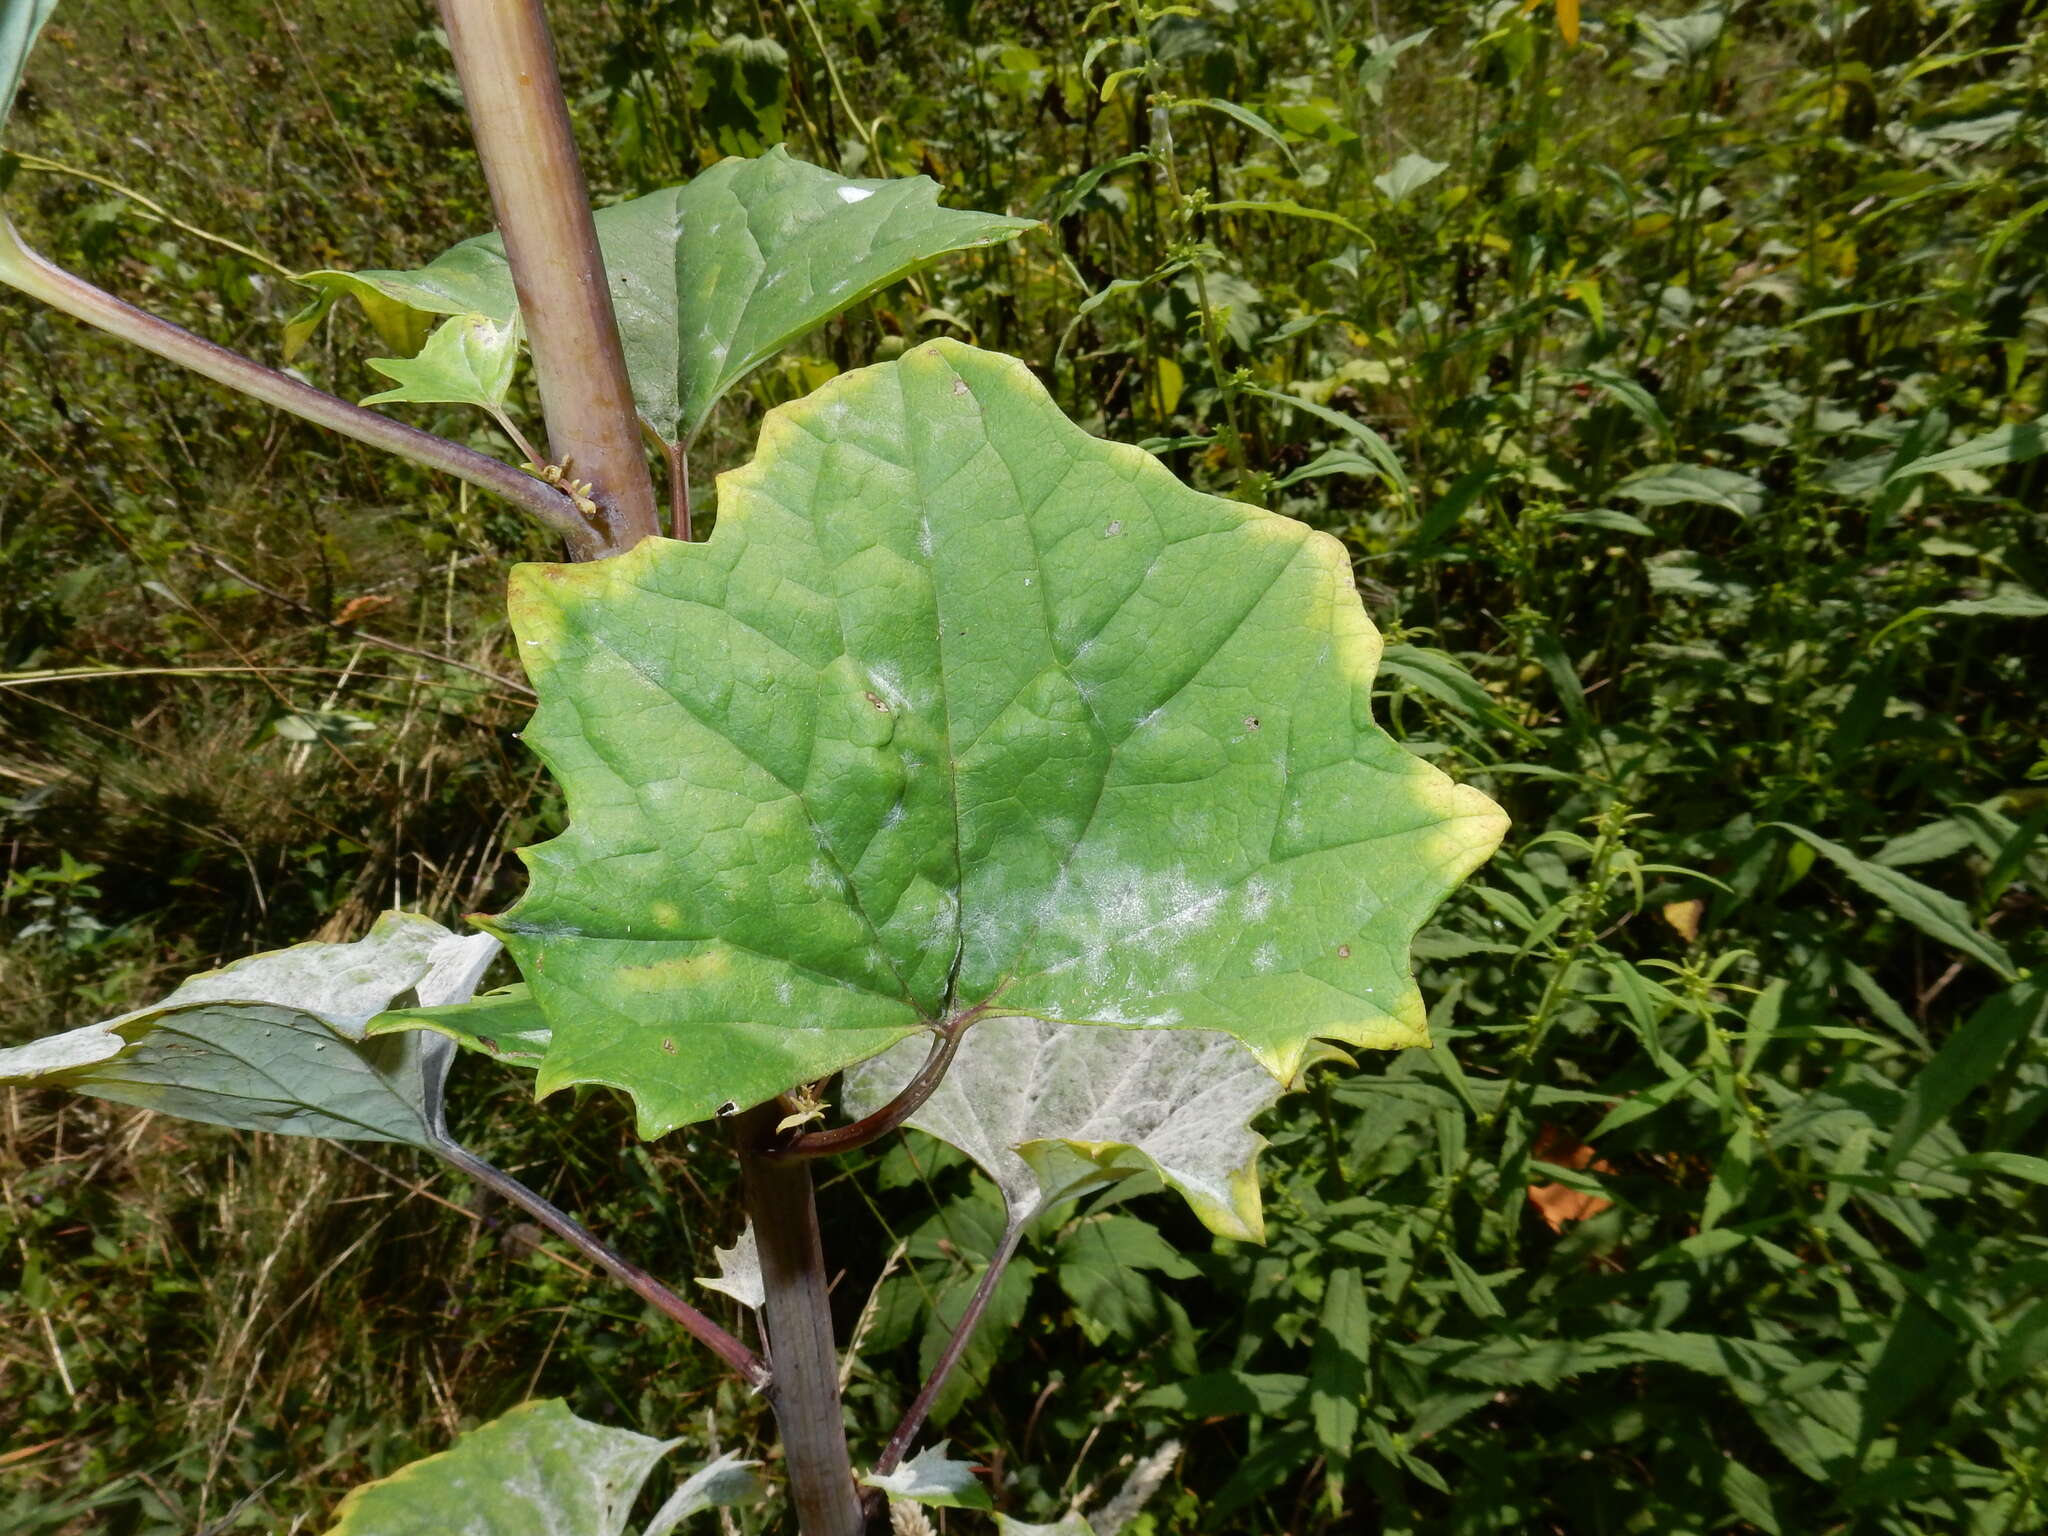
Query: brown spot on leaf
(669, 1046)
(876, 700)
(1343, 951)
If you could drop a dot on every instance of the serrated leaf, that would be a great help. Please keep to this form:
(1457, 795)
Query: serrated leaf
(1408, 175)
(713, 278)
(469, 360)
(1051, 1112)
(1935, 914)
(20, 23)
(739, 1271)
(932, 1477)
(536, 1471)
(277, 1042)
(960, 711)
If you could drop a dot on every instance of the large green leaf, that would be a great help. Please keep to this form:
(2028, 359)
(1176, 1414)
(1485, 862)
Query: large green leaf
(961, 709)
(535, 1471)
(709, 279)
(20, 22)
(276, 1042)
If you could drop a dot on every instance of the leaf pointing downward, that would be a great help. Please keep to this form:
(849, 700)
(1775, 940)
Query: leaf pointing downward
(276, 1042)
(1051, 1112)
(962, 709)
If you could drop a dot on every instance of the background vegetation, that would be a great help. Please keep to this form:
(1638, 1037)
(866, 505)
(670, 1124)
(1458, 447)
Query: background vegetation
(1620, 366)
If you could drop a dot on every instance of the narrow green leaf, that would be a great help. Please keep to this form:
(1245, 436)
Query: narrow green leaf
(1449, 509)
(1938, 916)
(1285, 208)
(1472, 1290)
(2008, 445)
(1339, 1368)
(1376, 447)
(1638, 401)
(1245, 117)
(1225, 1393)
(1438, 674)
(1965, 1062)
(506, 1024)
(2007, 1165)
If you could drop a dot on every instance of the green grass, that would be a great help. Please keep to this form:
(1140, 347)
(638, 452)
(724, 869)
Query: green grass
(1646, 351)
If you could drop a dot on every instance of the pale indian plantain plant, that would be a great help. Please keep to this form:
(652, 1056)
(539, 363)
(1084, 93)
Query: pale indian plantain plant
(971, 757)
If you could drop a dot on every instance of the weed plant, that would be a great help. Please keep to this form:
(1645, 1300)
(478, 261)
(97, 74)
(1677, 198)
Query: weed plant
(1674, 380)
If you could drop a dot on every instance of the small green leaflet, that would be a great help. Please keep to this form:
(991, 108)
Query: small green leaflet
(961, 709)
(467, 361)
(710, 279)
(932, 1477)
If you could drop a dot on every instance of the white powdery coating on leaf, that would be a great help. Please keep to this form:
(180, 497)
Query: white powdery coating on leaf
(1182, 1098)
(60, 1053)
(739, 1271)
(726, 1481)
(343, 985)
(929, 1477)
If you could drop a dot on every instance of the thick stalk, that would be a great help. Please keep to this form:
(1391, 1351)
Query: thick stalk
(798, 1312)
(29, 272)
(505, 60)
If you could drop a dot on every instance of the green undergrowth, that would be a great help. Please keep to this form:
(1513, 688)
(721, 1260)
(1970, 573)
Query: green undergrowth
(1674, 393)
